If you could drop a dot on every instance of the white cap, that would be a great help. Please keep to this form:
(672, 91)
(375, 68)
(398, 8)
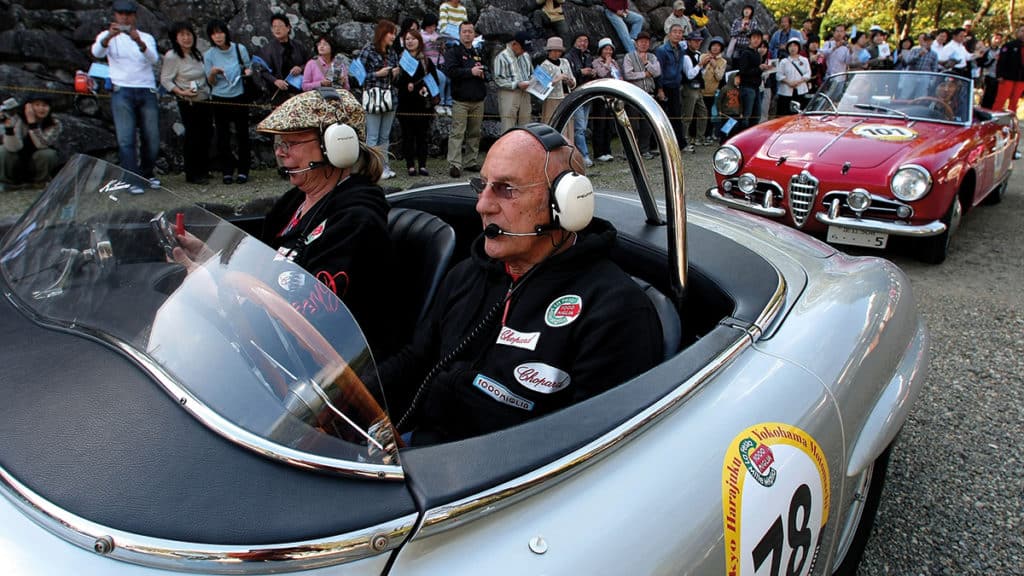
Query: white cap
(604, 42)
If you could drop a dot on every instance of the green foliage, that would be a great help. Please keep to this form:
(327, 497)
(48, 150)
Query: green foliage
(864, 13)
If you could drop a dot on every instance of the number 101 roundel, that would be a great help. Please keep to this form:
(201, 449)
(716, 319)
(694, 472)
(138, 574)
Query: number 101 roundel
(775, 501)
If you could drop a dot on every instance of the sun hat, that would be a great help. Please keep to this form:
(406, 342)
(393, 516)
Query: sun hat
(554, 43)
(312, 110)
(604, 42)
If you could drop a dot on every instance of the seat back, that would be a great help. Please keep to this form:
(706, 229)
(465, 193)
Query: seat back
(424, 245)
(671, 325)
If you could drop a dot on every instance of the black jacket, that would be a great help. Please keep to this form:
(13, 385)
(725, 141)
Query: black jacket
(1008, 66)
(413, 101)
(748, 62)
(344, 242)
(281, 58)
(459, 63)
(578, 60)
(576, 326)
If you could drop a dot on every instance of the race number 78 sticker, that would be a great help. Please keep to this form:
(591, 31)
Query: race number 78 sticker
(775, 500)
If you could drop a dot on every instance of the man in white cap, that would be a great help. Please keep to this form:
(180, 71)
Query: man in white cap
(513, 69)
(131, 55)
(678, 16)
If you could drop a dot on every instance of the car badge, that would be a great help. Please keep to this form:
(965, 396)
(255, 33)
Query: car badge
(563, 310)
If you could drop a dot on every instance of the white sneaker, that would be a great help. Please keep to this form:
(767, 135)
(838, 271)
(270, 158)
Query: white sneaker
(587, 162)
(154, 182)
(136, 190)
(439, 110)
(689, 148)
(388, 174)
(605, 158)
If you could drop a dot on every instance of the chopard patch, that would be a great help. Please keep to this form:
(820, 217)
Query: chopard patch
(291, 280)
(525, 340)
(500, 393)
(563, 310)
(317, 232)
(541, 378)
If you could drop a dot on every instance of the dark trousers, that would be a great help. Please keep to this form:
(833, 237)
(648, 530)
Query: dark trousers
(198, 121)
(642, 128)
(711, 130)
(604, 128)
(751, 100)
(673, 105)
(231, 113)
(415, 137)
(988, 97)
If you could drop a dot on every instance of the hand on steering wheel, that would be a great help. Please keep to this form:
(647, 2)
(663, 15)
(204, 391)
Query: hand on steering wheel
(941, 105)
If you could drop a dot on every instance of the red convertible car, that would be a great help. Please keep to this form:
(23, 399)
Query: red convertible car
(875, 154)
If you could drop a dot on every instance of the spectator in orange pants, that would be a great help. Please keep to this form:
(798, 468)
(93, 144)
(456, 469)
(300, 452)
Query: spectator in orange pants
(1010, 73)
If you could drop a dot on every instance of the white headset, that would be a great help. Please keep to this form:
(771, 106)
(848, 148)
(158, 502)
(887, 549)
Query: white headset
(570, 194)
(339, 142)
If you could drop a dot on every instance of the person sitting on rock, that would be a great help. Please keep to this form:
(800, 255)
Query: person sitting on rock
(29, 151)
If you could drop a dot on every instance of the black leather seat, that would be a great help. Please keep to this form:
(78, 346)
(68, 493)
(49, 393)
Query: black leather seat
(424, 245)
(671, 325)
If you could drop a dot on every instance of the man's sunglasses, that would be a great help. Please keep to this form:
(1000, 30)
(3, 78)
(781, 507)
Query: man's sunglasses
(502, 190)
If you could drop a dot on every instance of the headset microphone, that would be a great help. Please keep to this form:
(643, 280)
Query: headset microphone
(493, 231)
(312, 166)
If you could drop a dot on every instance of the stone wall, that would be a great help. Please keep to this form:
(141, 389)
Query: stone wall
(43, 43)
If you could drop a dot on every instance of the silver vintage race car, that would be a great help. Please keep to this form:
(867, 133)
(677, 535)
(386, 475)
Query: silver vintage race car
(231, 420)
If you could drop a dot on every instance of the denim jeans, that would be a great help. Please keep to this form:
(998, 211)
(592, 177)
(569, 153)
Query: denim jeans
(378, 132)
(136, 108)
(632, 20)
(579, 130)
(445, 85)
(750, 98)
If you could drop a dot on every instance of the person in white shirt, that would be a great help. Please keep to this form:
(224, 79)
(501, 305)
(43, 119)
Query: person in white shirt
(954, 57)
(131, 55)
(794, 75)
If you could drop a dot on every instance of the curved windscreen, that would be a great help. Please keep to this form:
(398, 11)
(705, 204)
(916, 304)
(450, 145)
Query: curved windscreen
(248, 342)
(901, 94)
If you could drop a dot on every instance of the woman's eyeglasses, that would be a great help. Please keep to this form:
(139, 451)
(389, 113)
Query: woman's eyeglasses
(502, 190)
(286, 147)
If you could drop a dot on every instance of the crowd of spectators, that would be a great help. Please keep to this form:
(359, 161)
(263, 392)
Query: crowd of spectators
(709, 87)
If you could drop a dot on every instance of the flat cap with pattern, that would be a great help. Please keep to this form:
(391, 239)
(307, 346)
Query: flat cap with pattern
(316, 109)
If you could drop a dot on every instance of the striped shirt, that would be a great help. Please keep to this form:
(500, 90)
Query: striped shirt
(451, 14)
(510, 70)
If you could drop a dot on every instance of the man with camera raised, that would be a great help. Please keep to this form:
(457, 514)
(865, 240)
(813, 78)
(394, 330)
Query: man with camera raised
(131, 55)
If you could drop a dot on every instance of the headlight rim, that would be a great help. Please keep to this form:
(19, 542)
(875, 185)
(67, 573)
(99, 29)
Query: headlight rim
(914, 168)
(738, 159)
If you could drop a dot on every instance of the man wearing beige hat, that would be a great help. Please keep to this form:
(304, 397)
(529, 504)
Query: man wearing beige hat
(513, 69)
(562, 80)
(679, 17)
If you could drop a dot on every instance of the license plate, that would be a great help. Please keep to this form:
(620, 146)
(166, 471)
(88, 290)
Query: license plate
(854, 237)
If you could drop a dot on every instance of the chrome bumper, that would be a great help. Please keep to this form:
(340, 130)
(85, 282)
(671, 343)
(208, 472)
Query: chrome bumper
(930, 229)
(760, 209)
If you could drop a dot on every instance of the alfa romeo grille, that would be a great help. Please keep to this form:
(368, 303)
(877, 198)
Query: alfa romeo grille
(802, 190)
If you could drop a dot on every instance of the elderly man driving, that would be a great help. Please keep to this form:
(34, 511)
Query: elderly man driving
(538, 317)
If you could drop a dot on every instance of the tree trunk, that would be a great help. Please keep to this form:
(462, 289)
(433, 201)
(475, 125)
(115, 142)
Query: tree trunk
(818, 11)
(903, 17)
(938, 15)
(1009, 17)
(982, 12)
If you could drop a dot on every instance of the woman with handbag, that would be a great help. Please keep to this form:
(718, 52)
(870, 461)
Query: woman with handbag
(379, 94)
(182, 74)
(327, 68)
(416, 105)
(794, 79)
(226, 64)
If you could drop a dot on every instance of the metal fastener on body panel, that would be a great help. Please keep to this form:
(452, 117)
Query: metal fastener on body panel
(379, 542)
(538, 545)
(103, 545)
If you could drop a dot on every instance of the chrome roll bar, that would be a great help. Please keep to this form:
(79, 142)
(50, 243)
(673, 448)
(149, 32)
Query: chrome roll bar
(617, 94)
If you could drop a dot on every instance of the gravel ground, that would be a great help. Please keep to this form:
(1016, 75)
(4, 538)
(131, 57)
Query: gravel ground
(954, 500)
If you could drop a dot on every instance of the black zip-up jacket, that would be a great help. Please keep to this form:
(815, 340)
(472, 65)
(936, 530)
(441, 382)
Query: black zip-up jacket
(459, 63)
(281, 58)
(578, 60)
(1008, 66)
(343, 241)
(576, 326)
(748, 62)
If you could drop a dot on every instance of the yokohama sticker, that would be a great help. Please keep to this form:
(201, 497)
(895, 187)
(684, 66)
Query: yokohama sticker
(525, 340)
(776, 493)
(563, 310)
(500, 393)
(541, 378)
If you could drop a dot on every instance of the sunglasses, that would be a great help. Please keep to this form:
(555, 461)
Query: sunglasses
(287, 146)
(502, 190)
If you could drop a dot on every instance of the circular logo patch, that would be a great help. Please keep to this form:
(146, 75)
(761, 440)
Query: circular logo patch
(775, 500)
(291, 280)
(563, 310)
(885, 132)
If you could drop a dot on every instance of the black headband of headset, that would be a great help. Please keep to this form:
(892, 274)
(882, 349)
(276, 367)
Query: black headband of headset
(548, 137)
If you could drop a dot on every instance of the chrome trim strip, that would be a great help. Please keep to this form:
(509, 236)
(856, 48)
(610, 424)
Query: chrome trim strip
(217, 423)
(206, 558)
(714, 194)
(930, 229)
(470, 508)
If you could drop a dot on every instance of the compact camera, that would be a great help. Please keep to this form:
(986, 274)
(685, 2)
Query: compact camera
(7, 106)
(126, 28)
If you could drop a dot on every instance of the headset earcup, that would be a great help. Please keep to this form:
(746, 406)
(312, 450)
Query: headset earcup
(341, 145)
(572, 201)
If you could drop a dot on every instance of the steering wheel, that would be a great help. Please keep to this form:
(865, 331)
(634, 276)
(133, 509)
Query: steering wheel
(946, 109)
(344, 393)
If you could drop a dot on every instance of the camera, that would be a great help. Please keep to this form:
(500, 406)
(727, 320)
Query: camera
(487, 73)
(126, 28)
(7, 106)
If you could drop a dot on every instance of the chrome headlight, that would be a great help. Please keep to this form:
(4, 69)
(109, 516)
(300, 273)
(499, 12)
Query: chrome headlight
(727, 160)
(747, 183)
(911, 182)
(859, 200)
